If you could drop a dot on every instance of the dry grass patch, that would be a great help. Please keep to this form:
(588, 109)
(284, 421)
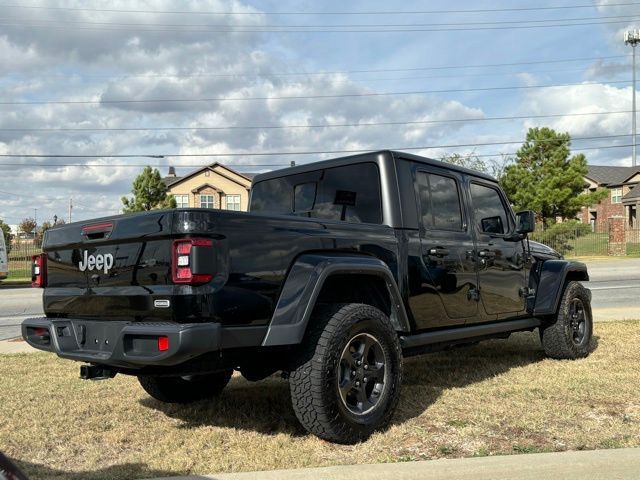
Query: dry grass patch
(499, 397)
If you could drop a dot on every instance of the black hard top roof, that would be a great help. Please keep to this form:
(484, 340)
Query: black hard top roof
(340, 161)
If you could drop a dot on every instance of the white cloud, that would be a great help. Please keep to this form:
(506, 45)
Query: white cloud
(586, 99)
(78, 64)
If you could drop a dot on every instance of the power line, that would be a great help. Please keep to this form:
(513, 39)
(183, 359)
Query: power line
(257, 29)
(264, 154)
(336, 72)
(128, 165)
(36, 21)
(303, 97)
(393, 12)
(334, 125)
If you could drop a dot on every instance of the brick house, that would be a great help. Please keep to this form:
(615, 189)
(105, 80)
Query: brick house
(212, 186)
(623, 199)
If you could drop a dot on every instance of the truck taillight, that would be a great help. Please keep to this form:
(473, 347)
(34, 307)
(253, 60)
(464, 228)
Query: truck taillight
(185, 267)
(39, 271)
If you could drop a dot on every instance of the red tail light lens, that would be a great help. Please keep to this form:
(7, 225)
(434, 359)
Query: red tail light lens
(163, 344)
(183, 269)
(39, 271)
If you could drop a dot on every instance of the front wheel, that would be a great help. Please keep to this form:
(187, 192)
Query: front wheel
(347, 381)
(569, 336)
(185, 389)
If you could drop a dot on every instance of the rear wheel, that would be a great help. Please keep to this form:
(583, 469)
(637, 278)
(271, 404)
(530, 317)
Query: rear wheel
(347, 382)
(569, 336)
(185, 389)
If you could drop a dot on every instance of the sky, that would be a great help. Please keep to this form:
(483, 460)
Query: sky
(224, 80)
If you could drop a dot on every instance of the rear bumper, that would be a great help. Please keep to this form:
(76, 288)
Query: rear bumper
(121, 344)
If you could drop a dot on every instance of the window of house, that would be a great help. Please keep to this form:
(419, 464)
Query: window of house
(206, 201)
(233, 202)
(439, 202)
(489, 211)
(182, 201)
(616, 195)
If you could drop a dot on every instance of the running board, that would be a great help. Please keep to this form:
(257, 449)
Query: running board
(468, 333)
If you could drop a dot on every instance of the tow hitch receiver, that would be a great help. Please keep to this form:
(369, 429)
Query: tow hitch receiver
(96, 372)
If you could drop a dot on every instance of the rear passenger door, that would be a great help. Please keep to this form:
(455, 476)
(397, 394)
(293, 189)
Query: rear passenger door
(447, 244)
(501, 261)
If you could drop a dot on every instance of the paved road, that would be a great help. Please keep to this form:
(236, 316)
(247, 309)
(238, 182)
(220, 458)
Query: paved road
(16, 304)
(615, 284)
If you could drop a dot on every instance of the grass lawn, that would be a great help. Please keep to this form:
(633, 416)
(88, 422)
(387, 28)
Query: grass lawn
(499, 397)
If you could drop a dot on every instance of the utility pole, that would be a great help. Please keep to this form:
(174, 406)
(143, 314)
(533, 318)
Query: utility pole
(632, 37)
(70, 208)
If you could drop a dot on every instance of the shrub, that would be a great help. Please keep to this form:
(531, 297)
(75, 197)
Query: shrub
(560, 235)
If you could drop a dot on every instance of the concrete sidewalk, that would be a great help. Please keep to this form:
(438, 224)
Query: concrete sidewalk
(16, 346)
(622, 464)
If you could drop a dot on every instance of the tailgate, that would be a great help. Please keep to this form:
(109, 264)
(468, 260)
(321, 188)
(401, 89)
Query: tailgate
(114, 268)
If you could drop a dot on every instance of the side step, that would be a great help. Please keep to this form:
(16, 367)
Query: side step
(468, 333)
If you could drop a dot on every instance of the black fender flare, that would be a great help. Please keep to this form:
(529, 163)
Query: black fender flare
(553, 276)
(304, 283)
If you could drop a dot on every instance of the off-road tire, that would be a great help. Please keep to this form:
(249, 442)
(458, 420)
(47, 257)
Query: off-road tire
(558, 337)
(185, 389)
(314, 381)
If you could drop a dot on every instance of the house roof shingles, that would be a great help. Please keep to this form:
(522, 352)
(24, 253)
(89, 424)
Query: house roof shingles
(607, 175)
(632, 194)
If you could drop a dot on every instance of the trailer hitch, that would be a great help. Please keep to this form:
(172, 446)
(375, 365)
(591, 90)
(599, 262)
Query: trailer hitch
(96, 372)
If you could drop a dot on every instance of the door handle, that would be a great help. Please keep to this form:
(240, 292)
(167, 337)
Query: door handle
(438, 252)
(487, 254)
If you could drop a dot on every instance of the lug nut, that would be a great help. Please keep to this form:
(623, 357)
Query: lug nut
(359, 362)
(357, 384)
(353, 372)
(366, 367)
(365, 379)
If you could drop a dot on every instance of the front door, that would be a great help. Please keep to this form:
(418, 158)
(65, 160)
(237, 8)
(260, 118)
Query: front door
(447, 263)
(501, 262)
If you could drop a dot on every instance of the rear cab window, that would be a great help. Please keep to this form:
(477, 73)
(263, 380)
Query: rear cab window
(349, 193)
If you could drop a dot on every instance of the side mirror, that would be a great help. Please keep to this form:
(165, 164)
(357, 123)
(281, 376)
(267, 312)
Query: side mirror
(525, 221)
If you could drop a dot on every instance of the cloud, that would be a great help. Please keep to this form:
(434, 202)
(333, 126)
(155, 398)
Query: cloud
(587, 99)
(72, 56)
(75, 64)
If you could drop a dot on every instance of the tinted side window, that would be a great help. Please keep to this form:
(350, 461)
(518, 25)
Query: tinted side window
(350, 193)
(439, 202)
(489, 212)
(304, 197)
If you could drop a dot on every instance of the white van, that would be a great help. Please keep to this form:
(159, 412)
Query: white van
(4, 265)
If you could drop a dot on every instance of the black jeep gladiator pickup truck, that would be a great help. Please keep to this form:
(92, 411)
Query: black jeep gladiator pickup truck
(340, 269)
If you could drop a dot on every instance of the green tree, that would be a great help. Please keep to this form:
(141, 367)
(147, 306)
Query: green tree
(149, 193)
(8, 236)
(546, 179)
